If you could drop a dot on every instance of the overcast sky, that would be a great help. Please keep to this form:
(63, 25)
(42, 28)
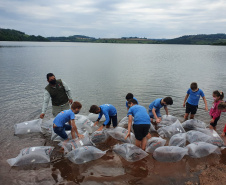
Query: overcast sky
(114, 18)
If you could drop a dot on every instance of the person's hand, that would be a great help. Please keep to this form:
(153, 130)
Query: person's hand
(101, 128)
(80, 136)
(96, 123)
(223, 134)
(212, 121)
(158, 120)
(70, 101)
(42, 115)
(184, 105)
(128, 135)
(206, 108)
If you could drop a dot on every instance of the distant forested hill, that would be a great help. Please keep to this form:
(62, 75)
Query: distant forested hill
(74, 38)
(199, 39)
(14, 35)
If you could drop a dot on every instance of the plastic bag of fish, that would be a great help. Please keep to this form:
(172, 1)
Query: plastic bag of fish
(167, 120)
(99, 136)
(192, 124)
(202, 149)
(82, 122)
(170, 153)
(169, 131)
(31, 155)
(28, 127)
(120, 133)
(75, 143)
(178, 140)
(196, 136)
(84, 154)
(154, 143)
(130, 152)
(124, 122)
(93, 117)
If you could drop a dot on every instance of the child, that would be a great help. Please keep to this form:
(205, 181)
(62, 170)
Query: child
(109, 112)
(155, 106)
(141, 123)
(222, 107)
(193, 96)
(214, 111)
(130, 96)
(65, 116)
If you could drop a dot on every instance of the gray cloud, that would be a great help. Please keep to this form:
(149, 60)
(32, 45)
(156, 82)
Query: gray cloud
(115, 18)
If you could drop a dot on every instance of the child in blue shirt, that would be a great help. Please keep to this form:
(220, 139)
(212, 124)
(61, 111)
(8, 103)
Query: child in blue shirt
(156, 105)
(130, 96)
(192, 97)
(141, 123)
(65, 116)
(109, 112)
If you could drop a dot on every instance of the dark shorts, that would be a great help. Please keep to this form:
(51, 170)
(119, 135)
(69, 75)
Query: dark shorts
(114, 121)
(60, 131)
(191, 108)
(214, 124)
(141, 130)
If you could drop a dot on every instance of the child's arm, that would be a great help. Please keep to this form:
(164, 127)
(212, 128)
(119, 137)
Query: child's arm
(204, 99)
(129, 126)
(156, 118)
(185, 99)
(75, 130)
(166, 109)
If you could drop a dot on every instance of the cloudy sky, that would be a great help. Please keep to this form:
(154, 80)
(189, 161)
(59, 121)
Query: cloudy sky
(114, 18)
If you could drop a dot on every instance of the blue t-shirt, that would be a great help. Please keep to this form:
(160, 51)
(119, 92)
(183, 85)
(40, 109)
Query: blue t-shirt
(107, 110)
(194, 97)
(63, 117)
(140, 114)
(156, 104)
(134, 99)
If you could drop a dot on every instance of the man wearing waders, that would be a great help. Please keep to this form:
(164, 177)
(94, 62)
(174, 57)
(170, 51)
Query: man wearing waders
(59, 93)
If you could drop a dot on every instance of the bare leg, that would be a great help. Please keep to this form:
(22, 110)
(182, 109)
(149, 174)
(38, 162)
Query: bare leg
(138, 143)
(148, 136)
(192, 116)
(143, 143)
(211, 127)
(186, 116)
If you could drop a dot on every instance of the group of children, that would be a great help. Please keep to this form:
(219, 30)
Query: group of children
(141, 117)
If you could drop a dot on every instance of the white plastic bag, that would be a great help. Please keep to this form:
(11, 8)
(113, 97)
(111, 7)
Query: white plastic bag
(48, 125)
(99, 136)
(154, 143)
(93, 117)
(31, 155)
(196, 136)
(202, 149)
(170, 153)
(75, 143)
(167, 120)
(82, 122)
(193, 124)
(28, 127)
(169, 131)
(84, 154)
(178, 140)
(120, 133)
(124, 122)
(130, 152)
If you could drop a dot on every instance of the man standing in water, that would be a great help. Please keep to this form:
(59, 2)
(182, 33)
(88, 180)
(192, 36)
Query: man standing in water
(60, 95)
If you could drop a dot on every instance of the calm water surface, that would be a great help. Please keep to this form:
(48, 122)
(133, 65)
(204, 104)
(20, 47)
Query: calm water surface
(99, 74)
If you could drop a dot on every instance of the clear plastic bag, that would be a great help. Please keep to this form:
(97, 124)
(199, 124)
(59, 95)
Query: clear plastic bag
(178, 140)
(84, 154)
(169, 131)
(167, 120)
(120, 133)
(196, 136)
(193, 124)
(82, 122)
(130, 152)
(170, 153)
(93, 117)
(48, 125)
(99, 136)
(28, 127)
(154, 143)
(31, 155)
(202, 149)
(215, 139)
(75, 143)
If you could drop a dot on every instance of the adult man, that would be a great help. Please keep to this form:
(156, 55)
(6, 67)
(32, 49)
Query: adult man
(59, 93)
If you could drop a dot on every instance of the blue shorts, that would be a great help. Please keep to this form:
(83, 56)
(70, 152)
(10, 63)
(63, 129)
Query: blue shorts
(157, 113)
(60, 131)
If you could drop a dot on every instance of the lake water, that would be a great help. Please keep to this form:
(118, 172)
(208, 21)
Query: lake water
(97, 74)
